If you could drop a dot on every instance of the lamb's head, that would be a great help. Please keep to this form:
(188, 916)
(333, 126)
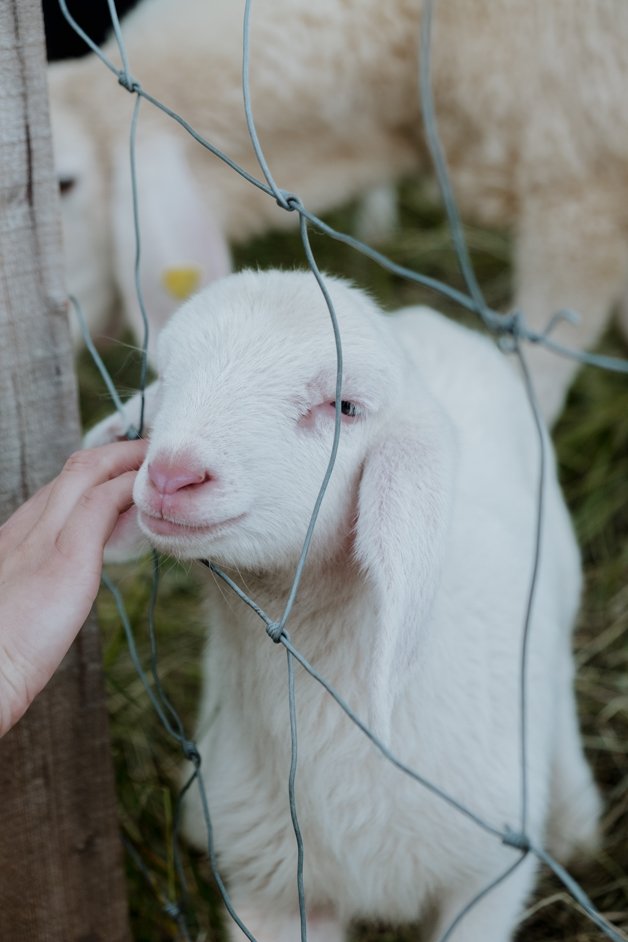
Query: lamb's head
(244, 426)
(81, 175)
(183, 245)
(243, 422)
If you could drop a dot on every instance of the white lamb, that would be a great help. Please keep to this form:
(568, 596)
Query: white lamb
(532, 99)
(412, 605)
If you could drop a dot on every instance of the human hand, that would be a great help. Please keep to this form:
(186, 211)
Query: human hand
(51, 554)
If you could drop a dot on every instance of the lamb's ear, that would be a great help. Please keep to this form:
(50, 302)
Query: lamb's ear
(127, 542)
(183, 247)
(404, 510)
(118, 425)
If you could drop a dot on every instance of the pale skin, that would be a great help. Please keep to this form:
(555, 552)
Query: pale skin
(51, 555)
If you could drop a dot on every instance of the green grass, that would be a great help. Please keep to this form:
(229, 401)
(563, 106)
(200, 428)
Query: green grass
(592, 443)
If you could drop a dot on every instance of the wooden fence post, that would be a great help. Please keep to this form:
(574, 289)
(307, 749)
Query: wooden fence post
(60, 859)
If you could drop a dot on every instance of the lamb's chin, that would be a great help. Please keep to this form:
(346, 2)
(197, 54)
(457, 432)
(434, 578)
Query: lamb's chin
(184, 540)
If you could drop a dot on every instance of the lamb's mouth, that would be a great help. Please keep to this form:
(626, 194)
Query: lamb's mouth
(160, 526)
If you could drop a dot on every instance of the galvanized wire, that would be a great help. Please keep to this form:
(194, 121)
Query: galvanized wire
(511, 326)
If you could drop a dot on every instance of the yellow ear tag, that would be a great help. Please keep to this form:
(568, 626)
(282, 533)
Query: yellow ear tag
(182, 281)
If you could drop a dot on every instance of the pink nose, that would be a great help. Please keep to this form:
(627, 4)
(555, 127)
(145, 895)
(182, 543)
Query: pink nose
(171, 474)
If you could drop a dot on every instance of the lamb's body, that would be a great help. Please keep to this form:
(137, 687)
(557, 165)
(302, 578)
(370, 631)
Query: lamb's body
(377, 843)
(531, 101)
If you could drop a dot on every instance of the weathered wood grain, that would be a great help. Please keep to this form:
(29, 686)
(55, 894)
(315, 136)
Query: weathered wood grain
(60, 860)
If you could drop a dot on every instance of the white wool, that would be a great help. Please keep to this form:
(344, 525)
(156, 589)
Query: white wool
(530, 98)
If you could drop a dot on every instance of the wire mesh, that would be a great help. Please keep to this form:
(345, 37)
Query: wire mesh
(513, 333)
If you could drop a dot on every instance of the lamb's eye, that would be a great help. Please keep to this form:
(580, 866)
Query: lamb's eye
(347, 408)
(349, 411)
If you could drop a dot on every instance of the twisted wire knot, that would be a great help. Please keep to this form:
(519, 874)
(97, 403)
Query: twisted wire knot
(518, 328)
(191, 752)
(274, 630)
(517, 840)
(127, 81)
(287, 200)
(513, 329)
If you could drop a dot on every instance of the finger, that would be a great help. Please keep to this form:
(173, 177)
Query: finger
(85, 470)
(82, 539)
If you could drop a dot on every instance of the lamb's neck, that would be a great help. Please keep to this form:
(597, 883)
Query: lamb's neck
(331, 593)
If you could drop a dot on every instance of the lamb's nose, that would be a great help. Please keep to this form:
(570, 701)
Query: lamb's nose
(171, 474)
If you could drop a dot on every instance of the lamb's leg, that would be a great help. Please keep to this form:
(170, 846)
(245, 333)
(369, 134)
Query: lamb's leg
(267, 924)
(493, 918)
(575, 804)
(571, 252)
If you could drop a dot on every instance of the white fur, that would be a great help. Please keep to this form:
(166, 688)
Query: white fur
(531, 100)
(412, 606)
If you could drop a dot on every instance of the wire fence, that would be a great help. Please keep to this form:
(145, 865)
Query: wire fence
(513, 334)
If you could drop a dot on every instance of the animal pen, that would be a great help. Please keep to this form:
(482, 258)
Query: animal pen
(59, 833)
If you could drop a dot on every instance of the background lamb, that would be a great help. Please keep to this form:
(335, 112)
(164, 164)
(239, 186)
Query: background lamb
(423, 550)
(531, 100)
